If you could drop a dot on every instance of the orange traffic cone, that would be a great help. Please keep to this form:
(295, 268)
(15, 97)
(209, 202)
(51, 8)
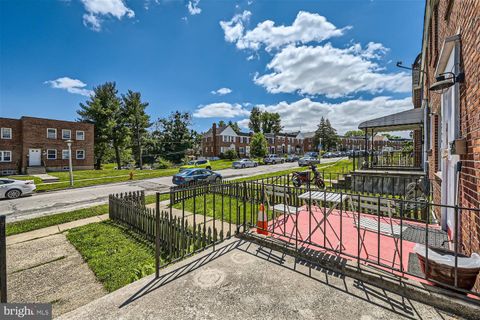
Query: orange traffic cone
(262, 223)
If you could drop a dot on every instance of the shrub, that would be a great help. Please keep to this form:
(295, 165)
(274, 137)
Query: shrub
(230, 154)
(163, 164)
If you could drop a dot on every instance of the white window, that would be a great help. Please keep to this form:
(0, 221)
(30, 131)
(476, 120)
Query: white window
(51, 133)
(80, 135)
(242, 150)
(5, 156)
(80, 154)
(222, 149)
(65, 154)
(51, 154)
(6, 133)
(66, 134)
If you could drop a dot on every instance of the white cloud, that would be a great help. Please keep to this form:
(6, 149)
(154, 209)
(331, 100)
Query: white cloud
(71, 85)
(220, 110)
(193, 7)
(234, 28)
(307, 27)
(221, 91)
(98, 8)
(334, 72)
(243, 124)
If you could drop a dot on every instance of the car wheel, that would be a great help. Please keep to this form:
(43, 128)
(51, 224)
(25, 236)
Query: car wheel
(255, 164)
(218, 179)
(208, 168)
(243, 166)
(13, 194)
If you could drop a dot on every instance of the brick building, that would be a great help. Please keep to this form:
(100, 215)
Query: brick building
(217, 140)
(35, 144)
(451, 44)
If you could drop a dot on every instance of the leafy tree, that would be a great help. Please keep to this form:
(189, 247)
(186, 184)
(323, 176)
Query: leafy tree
(271, 122)
(354, 133)
(258, 145)
(221, 123)
(255, 123)
(326, 134)
(137, 121)
(103, 110)
(390, 136)
(173, 136)
(230, 154)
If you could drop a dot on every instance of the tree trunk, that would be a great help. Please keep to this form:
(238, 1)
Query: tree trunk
(139, 150)
(117, 154)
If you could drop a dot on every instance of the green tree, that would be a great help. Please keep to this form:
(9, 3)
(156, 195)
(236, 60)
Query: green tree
(221, 123)
(325, 134)
(255, 123)
(354, 133)
(271, 122)
(230, 154)
(258, 145)
(137, 121)
(173, 136)
(103, 110)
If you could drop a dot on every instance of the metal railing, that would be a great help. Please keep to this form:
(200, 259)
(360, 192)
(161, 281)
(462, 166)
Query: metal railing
(387, 160)
(364, 228)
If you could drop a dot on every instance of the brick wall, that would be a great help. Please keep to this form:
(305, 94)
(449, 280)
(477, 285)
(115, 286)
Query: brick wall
(449, 18)
(14, 144)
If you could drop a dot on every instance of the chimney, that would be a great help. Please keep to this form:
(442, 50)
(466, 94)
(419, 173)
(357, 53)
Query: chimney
(214, 137)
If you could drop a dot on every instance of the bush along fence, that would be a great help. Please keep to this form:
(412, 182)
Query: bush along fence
(174, 234)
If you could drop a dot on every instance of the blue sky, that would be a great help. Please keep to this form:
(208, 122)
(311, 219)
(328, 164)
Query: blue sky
(303, 59)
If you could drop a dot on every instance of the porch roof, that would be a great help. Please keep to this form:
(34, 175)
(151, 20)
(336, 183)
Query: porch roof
(405, 120)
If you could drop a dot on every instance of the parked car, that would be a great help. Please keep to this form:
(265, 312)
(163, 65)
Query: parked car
(328, 155)
(195, 175)
(273, 159)
(197, 164)
(244, 163)
(292, 158)
(11, 189)
(306, 161)
(311, 154)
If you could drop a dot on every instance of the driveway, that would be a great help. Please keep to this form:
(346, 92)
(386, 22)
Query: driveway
(68, 200)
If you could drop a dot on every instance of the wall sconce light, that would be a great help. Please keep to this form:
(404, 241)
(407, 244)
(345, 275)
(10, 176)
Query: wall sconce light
(442, 82)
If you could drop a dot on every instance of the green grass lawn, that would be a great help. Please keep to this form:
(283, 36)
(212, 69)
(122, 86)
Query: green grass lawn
(115, 255)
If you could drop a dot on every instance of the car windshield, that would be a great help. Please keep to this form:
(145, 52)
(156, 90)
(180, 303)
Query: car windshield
(244, 160)
(191, 162)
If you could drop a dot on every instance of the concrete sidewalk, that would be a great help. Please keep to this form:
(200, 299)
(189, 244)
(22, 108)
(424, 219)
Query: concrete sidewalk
(240, 280)
(45, 232)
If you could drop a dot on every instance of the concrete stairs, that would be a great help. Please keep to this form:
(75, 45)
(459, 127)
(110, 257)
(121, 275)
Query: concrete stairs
(36, 170)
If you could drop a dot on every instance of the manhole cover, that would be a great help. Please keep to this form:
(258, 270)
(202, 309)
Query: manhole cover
(241, 258)
(209, 278)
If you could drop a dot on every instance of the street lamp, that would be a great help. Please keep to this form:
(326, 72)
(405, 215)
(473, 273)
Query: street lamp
(69, 144)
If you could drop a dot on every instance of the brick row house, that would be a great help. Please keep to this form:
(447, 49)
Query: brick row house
(33, 145)
(451, 45)
(217, 140)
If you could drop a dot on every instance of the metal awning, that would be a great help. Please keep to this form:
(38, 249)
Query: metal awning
(406, 120)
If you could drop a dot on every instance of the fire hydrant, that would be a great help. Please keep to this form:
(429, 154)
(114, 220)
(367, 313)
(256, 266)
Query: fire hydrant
(131, 175)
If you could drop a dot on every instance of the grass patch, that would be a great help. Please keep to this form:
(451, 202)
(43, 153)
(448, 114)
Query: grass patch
(115, 256)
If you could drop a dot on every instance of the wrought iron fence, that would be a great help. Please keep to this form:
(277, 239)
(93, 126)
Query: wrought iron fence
(387, 232)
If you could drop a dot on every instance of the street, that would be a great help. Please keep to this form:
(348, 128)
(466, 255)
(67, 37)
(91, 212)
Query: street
(72, 199)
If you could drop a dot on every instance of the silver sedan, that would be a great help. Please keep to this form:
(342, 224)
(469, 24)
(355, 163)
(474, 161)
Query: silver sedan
(11, 189)
(244, 163)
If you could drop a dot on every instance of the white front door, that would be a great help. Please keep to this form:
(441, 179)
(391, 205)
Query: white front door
(448, 160)
(34, 157)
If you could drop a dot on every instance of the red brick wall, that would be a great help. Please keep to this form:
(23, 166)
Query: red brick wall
(463, 17)
(14, 145)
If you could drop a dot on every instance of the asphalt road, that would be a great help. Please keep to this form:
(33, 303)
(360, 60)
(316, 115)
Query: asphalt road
(47, 203)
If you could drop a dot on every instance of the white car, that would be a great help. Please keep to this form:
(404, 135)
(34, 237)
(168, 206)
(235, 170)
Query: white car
(12, 189)
(244, 163)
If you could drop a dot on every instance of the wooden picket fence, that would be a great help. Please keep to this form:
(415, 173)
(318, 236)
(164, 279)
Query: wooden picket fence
(176, 236)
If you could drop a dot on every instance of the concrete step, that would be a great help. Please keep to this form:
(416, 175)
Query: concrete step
(46, 177)
(36, 170)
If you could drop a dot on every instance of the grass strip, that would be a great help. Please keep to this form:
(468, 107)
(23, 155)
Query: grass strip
(112, 253)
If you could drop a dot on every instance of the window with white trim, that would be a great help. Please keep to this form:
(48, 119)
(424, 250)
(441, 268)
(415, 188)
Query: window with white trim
(65, 154)
(51, 154)
(6, 133)
(80, 135)
(51, 133)
(6, 156)
(80, 154)
(66, 134)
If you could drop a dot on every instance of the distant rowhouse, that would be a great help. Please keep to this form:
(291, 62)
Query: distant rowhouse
(34, 145)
